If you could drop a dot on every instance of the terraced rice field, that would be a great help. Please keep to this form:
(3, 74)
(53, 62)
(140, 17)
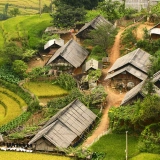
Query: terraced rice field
(11, 106)
(42, 89)
(25, 6)
(29, 156)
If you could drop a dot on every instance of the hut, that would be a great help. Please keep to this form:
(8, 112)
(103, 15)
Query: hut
(133, 95)
(155, 32)
(69, 57)
(94, 24)
(156, 79)
(92, 64)
(129, 70)
(65, 128)
(54, 43)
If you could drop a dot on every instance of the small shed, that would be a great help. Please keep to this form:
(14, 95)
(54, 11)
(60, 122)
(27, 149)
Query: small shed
(92, 64)
(94, 24)
(69, 57)
(131, 68)
(54, 42)
(155, 32)
(64, 129)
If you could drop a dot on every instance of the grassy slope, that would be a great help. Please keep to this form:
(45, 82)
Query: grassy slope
(114, 146)
(29, 156)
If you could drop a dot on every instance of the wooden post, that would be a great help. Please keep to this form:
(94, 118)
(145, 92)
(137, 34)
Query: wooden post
(40, 11)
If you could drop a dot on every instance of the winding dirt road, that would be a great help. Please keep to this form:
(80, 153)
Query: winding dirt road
(114, 98)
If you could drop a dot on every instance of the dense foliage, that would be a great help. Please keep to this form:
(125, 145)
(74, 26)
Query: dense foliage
(66, 81)
(137, 116)
(103, 36)
(150, 139)
(66, 16)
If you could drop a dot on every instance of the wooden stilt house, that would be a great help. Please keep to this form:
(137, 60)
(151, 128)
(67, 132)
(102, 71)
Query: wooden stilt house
(69, 57)
(64, 129)
(129, 70)
(94, 24)
(155, 32)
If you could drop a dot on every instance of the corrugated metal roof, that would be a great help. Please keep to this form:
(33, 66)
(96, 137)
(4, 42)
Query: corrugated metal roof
(130, 69)
(95, 23)
(138, 58)
(59, 42)
(66, 125)
(92, 63)
(71, 52)
(156, 76)
(132, 93)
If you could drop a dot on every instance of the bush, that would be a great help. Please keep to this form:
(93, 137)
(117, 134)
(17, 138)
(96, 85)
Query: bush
(66, 81)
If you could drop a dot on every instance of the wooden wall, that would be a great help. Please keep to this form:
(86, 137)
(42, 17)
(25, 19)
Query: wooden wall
(124, 78)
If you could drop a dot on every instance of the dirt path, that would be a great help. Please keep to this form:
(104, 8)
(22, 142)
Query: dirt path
(113, 99)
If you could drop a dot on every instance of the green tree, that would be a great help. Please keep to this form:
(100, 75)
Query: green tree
(14, 12)
(12, 52)
(66, 16)
(20, 68)
(112, 9)
(103, 36)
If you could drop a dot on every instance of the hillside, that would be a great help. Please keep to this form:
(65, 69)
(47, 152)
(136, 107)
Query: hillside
(25, 6)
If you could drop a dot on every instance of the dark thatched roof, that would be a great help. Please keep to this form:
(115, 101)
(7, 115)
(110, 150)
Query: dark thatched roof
(66, 125)
(135, 62)
(71, 52)
(95, 23)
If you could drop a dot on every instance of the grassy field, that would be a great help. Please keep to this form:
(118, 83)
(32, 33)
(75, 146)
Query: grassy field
(11, 106)
(21, 27)
(29, 156)
(146, 156)
(42, 89)
(113, 145)
(25, 6)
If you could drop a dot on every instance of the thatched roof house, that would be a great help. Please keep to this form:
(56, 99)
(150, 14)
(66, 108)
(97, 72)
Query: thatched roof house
(139, 92)
(133, 95)
(69, 56)
(132, 67)
(65, 128)
(94, 24)
(57, 42)
(92, 64)
(155, 32)
(156, 79)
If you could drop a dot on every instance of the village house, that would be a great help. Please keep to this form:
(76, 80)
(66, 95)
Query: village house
(155, 32)
(54, 43)
(94, 24)
(138, 4)
(139, 92)
(64, 129)
(129, 70)
(69, 57)
(156, 79)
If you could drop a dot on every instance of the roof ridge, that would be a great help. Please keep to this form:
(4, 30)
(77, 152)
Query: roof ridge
(134, 54)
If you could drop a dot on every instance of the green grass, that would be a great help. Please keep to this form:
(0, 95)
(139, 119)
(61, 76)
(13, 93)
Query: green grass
(146, 156)
(29, 156)
(23, 27)
(44, 89)
(113, 145)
